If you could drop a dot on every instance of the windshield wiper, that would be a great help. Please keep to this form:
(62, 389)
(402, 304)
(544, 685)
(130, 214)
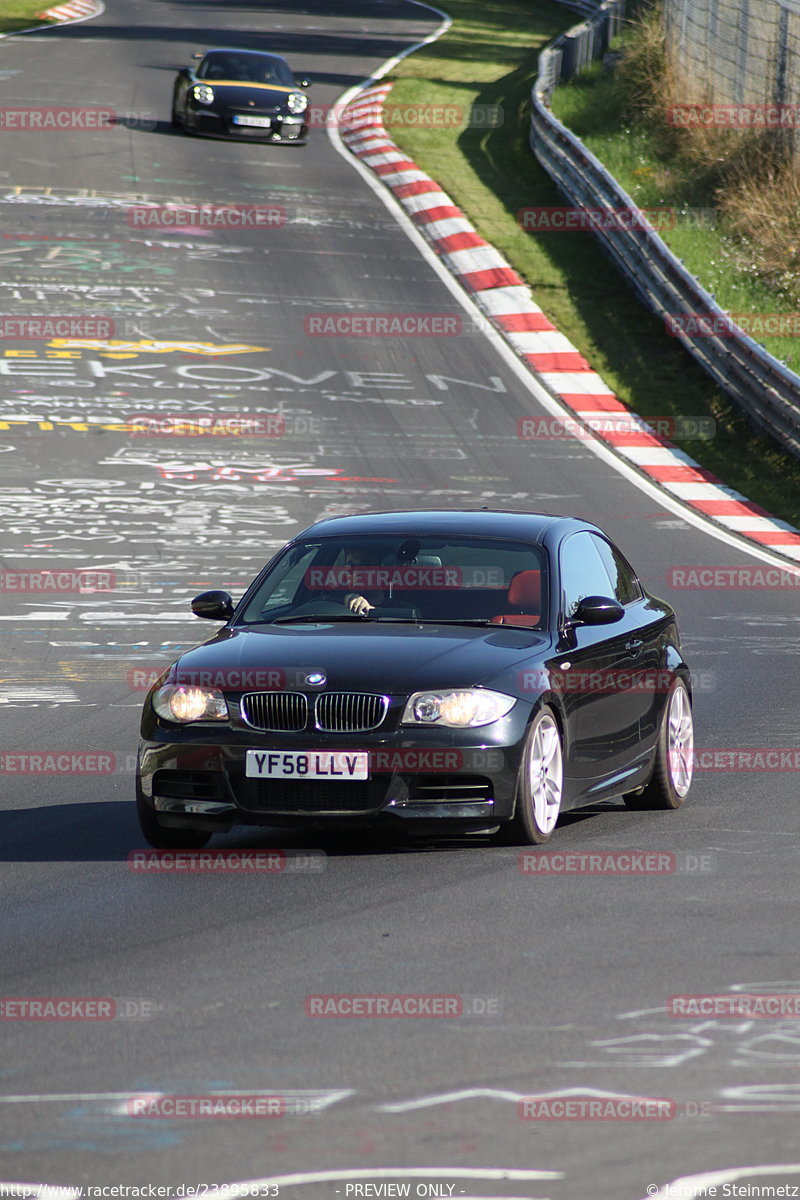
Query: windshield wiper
(434, 621)
(297, 617)
(483, 621)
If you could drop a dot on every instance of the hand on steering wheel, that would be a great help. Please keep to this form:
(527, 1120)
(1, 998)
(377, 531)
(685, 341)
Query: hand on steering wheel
(357, 604)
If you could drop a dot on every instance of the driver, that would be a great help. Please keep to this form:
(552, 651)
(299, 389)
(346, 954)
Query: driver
(356, 556)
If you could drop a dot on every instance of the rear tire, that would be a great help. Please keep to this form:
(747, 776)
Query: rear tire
(672, 773)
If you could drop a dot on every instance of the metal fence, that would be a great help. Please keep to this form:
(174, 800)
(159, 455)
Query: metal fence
(764, 388)
(736, 52)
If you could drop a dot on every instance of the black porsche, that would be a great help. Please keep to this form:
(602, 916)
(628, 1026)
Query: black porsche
(244, 94)
(441, 670)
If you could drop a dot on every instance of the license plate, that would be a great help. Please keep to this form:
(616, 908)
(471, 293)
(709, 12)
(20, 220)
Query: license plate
(260, 121)
(344, 765)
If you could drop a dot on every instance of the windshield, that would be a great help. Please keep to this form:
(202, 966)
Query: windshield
(249, 68)
(482, 580)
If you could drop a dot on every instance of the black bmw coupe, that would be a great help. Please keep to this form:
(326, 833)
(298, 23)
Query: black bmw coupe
(472, 671)
(242, 94)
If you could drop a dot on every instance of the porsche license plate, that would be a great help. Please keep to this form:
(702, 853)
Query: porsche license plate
(262, 122)
(343, 765)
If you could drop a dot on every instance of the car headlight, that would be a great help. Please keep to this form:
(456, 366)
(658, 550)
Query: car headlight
(203, 94)
(177, 702)
(457, 709)
(297, 102)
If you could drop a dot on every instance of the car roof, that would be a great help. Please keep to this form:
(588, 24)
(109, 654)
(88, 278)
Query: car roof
(524, 526)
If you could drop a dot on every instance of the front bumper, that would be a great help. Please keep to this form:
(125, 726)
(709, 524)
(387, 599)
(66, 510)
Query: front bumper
(280, 127)
(194, 776)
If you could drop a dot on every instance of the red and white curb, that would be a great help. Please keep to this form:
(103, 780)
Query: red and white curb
(507, 302)
(73, 10)
(63, 14)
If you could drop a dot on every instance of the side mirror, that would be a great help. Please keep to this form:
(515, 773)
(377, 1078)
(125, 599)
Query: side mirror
(214, 606)
(597, 610)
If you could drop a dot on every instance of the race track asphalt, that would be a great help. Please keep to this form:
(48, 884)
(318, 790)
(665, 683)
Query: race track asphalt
(574, 970)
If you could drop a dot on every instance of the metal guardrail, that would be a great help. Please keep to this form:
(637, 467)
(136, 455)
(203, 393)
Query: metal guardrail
(766, 390)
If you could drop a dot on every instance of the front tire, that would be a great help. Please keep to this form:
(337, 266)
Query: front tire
(177, 123)
(162, 838)
(540, 785)
(672, 773)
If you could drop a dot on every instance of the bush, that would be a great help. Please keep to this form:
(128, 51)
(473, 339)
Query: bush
(750, 177)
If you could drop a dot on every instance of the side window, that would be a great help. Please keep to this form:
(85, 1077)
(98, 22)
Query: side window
(283, 582)
(626, 585)
(583, 572)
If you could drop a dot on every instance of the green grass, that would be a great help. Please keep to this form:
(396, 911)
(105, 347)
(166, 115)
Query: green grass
(489, 58)
(22, 14)
(591, 107)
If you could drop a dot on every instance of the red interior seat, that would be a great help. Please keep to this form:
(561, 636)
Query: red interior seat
(524, 596)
